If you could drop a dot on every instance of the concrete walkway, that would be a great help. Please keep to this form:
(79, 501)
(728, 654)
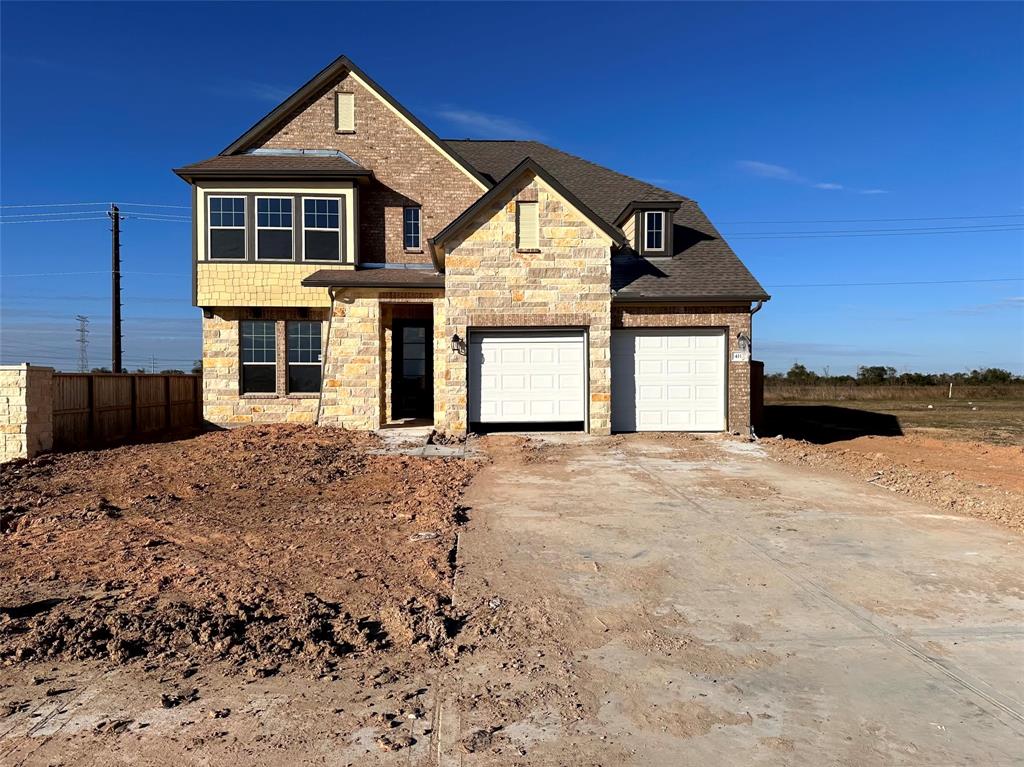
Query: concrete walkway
(670, 601)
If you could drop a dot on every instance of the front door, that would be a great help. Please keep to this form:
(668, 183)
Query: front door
(412, 394)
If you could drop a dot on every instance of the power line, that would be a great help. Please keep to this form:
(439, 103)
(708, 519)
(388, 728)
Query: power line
(102, 202)
(874, 220)
(890, 234)
(51, 220)
(963, 227)
(7, 216)
(910, 282)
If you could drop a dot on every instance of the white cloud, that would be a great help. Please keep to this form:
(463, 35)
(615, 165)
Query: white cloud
(768, 170)
(486, 125)
(782, 173)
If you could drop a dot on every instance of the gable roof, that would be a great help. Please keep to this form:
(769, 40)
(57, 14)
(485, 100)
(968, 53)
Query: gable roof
(323, 80)
(703, 265)
(496, 191)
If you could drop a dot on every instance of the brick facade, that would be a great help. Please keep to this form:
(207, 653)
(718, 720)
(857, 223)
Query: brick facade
(223, 403)
(735, 319)
(488, 283)
(408, 169)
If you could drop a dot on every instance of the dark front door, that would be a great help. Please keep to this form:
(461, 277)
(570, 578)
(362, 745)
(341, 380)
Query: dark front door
(412, 377)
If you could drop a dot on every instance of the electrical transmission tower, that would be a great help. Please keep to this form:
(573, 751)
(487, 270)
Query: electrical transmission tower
(83, 343)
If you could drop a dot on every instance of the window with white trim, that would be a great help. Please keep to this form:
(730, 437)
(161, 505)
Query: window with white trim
(274, 238)
(654, 230)
(304, 360)
(411, 228)
(321, 229)
(259, 356)
(227, 229)
(527, 226)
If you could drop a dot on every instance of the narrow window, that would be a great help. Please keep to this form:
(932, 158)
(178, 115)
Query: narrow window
(321, 230)
(345, 111)
(227, 228)
(654, 230)
(274, 240)
(259, 357)
(411, 228)
(304, 356)
(528, 226)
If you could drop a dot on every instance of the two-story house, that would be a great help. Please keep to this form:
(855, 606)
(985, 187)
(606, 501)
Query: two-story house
(354, 269)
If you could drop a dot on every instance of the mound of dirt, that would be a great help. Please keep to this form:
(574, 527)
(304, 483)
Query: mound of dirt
(256, 546)
(969, 478)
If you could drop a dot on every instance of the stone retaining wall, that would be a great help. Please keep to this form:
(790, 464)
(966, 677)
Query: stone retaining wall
(26, 411)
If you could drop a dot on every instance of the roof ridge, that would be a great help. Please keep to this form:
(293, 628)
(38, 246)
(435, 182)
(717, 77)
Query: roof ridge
(588, 162)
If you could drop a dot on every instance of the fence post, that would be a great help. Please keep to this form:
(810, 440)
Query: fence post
(197, 399)
(135, 402)
(167, 402)
(93, 413)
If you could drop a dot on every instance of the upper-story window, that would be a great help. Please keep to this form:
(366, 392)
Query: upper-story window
(654, 230)
(527, 226)
(411, 228)
(321, 230)
(274, 238)
(227, 228)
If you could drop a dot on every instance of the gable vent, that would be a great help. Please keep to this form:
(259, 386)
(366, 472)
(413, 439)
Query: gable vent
(345, 109)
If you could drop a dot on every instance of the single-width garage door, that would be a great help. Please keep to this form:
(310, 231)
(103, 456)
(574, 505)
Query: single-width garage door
(668, 380)
(527, 376)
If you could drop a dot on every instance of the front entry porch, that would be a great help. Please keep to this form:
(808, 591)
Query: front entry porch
(384, 360)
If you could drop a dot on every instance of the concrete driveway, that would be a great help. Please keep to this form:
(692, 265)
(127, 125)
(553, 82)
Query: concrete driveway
(674, 600)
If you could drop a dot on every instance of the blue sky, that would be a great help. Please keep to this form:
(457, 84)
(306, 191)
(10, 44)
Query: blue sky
(846, 114)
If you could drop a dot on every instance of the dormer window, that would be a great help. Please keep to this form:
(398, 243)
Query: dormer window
(654, 230)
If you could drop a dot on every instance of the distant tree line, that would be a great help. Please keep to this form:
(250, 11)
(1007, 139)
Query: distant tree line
(880, 375)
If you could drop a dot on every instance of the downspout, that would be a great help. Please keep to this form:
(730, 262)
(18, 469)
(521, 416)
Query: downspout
(323, 362)
(757, 307)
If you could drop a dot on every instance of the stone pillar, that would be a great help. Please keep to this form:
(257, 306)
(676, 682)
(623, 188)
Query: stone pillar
(26, 411)
(352, 364)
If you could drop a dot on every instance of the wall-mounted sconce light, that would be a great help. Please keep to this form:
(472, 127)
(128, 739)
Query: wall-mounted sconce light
(458, 345)
(743, 343)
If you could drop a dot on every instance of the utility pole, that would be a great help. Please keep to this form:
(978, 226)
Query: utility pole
(83, 343)
(115, 284)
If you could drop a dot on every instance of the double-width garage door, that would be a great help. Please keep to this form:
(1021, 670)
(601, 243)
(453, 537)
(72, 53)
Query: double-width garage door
(527, 377)
(668, 380)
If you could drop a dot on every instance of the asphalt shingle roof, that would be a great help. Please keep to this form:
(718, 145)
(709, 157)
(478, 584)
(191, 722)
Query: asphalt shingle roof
(273, 165)
(703, 265)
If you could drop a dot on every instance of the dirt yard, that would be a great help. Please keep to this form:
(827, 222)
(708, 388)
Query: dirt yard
(960, 460)
(252, 552)
(291, 595)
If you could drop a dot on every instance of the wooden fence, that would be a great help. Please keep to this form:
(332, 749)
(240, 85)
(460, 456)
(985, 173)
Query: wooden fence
(91, 409)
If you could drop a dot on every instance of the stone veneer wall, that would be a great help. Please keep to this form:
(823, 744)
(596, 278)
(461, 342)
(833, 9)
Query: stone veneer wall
(355, 386)
(407, 168)
(26, 411)
(222, 403)
(736, 319)
(255, 284)
(565, 283)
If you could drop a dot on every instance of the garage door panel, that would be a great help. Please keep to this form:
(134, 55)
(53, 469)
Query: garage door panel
(668, 380)
(526, 376)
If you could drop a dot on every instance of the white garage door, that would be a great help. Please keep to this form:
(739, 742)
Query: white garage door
(527, 376)
(668, 380)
